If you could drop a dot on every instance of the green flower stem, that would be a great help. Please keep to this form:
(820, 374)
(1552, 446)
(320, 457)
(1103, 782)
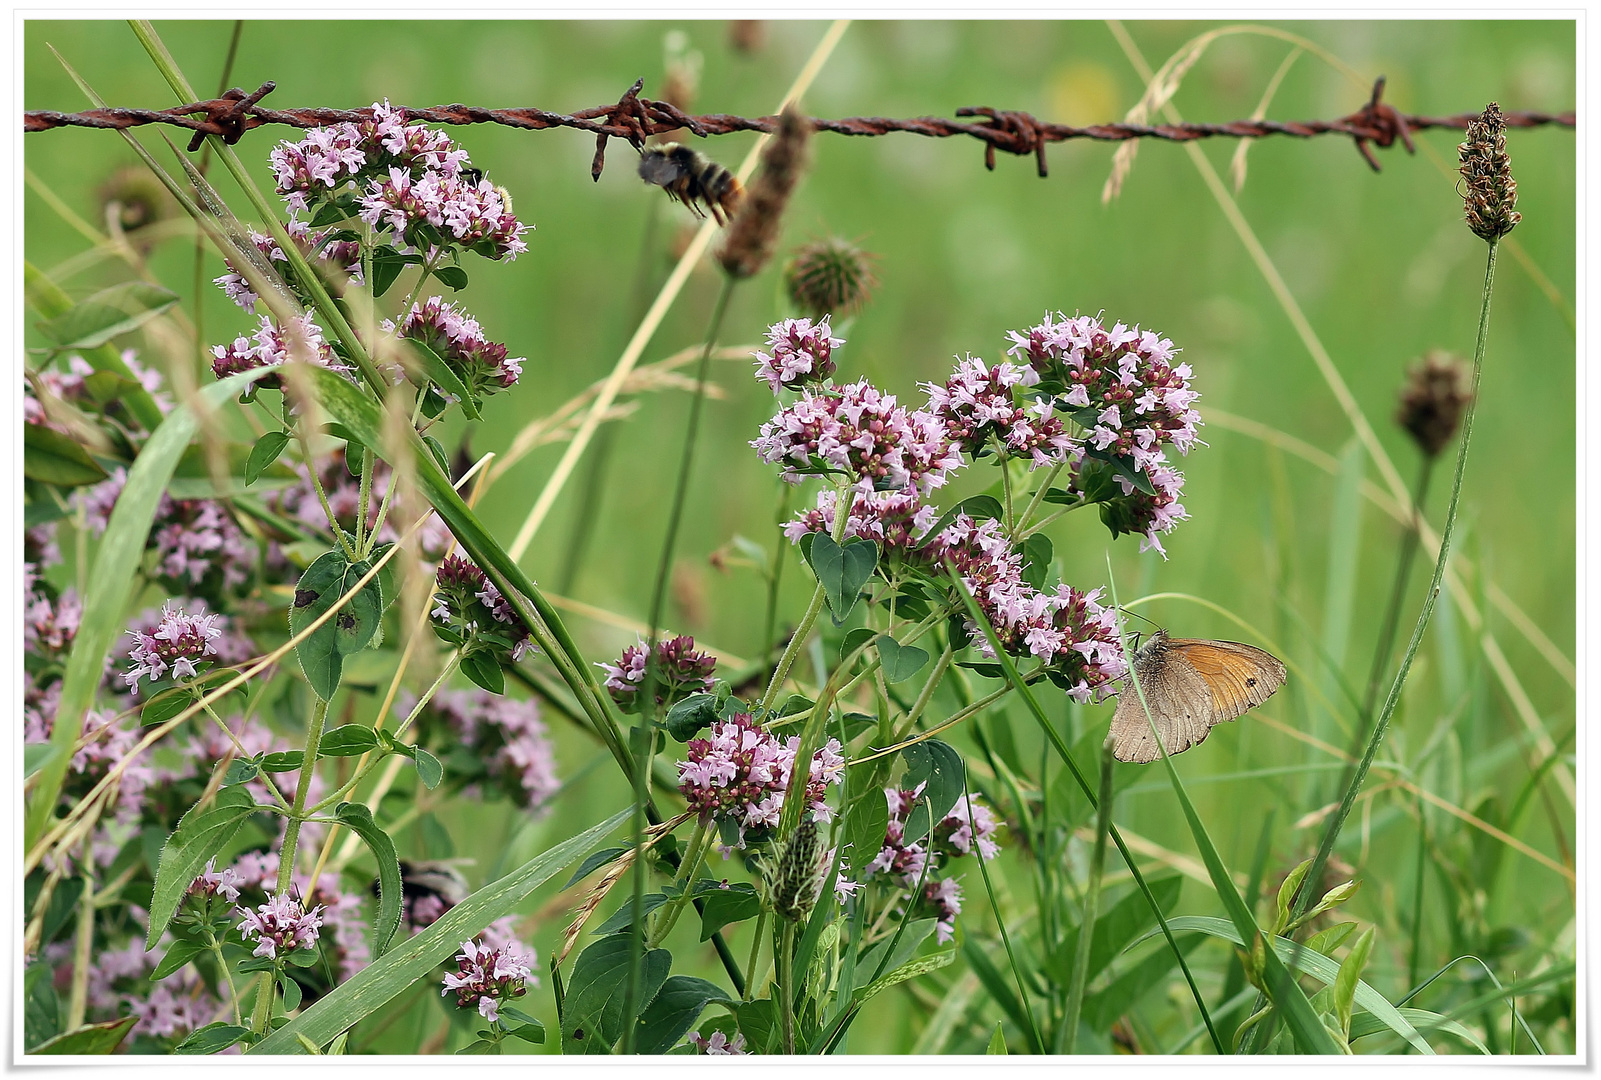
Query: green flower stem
(1039, 494)
(373, 762)
(322, 496)
(1092, 896)
(297, 814)
(266, 985)
(272, 789)
(775, 575)
(755, 955)
(1308, 893)
(785, 990)
(1052, 517)
(797, 640)
(227, 975)
(365, 496)
(668, 917)
(925, 695)
(1035, 1042)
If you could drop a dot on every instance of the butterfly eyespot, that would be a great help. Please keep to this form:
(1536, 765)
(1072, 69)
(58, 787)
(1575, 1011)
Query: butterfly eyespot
(1250, 682)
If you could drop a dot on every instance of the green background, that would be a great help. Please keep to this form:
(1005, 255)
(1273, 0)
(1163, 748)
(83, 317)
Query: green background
(1381, 264)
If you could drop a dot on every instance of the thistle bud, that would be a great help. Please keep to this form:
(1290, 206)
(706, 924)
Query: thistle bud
(753, 233)
(829, 277)
(1491, 194)
(797, 874)
(1438, 388)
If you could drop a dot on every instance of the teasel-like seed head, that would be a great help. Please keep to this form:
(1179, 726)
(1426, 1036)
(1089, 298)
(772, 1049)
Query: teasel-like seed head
(753, 234)
(830, 277)
(1491, 194)
(796, 873)
(1437, 389)
(140, 199)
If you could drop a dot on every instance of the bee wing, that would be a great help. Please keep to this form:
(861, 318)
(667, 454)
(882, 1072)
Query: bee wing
(1238, 677)
(1181, 707)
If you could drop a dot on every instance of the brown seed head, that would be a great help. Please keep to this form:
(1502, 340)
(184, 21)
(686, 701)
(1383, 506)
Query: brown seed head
(1491, 194)
(753, 234)
(747, 36)
(830, 276)
(140, 199)
(1437, 389)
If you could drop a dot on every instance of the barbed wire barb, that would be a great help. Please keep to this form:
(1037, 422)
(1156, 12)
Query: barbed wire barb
(634, 118)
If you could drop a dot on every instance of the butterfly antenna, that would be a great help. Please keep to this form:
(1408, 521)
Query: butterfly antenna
(1137, 615)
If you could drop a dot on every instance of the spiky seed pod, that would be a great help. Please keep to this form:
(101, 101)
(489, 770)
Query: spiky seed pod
(1437, 389)
(797, 872)
(1492, 194)
(830, 277)
(753, 234)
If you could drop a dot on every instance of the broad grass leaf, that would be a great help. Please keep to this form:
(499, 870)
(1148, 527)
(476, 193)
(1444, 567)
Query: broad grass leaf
(1102, 1008)
(54, 458)
(677, 1005)
(592, 1017)
(1118, 925)
(107, 314)
(997, 1044)
(89, 1039)
(51, 301)
(358, 819)
(34, 756)
(1312, 963)
(380, 982)
(1423, 1020)
(922, 965)
(998, 986)
(869, 963)
(200, 835)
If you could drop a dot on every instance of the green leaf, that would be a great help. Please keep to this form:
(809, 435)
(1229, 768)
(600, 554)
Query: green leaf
(1423, 1020)
(899, 662)
(1312, 963)
(1350, 975)
(1102, 1008)
(676, 1006)
(854, 640)
(444, 376)
(41, 1016)
(347, 740)
(386, 267)
(592, 1016)
(264, 453)
(48, 299)
(911, 939)
(52, 457)
(291, 992)
(63, 906)
(1326, 941)
(1037, 553)
(1124, 466)
(322, 654)
(441, 458)
(937, 765)
(107, 314)
(1292, 882)
(688, 716)
(89, 1039)
(623, 917)
(198, 837)
(380, 982)
(483, 669)
(241, 771)
(997, 1041)
(34, 756)
(736, 903)
(283, 761)
(358, 819)
(429, 770)
(593, 863)
(179, 954)
(757, 1024)
(978, 507)
(866, 824)
(211, 1039)
(842, 571)
(453, 277)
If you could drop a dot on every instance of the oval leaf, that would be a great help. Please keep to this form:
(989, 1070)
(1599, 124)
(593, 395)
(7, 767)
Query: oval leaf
(900, 662)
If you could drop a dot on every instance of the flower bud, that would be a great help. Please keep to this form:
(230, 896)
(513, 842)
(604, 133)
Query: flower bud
(797, 876)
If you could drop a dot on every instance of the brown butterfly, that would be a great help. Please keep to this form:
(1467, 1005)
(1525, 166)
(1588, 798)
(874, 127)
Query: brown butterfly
(1190, 685)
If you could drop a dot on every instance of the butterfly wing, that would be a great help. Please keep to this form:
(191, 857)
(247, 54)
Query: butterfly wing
(1238, 677)
(1181, 706)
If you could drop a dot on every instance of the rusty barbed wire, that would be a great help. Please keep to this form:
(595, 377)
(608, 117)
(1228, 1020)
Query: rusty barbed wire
(634, 119)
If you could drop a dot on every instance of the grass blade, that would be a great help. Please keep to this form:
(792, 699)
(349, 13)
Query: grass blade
(1285, 992)
(1057, 744)
(1092, 898)
(380, 982)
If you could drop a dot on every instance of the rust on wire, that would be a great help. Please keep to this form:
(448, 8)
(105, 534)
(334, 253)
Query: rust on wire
(635, 119)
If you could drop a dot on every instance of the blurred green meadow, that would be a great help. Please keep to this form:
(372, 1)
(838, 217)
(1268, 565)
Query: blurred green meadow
(1281, 531)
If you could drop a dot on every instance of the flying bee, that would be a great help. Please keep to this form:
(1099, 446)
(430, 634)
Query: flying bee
(436, 879)
(692, 178)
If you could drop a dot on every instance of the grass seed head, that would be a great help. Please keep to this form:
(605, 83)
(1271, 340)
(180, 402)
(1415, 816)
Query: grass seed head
(1492, 193)
(1437, 389)
(753, 234)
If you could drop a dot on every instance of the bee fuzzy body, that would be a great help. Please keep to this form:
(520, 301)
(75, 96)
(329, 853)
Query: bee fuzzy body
(692, 178)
